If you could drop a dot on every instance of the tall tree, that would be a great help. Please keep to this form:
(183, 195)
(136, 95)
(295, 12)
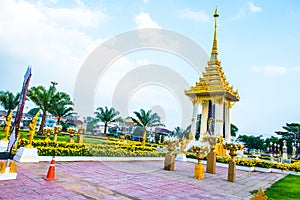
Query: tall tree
(274, 140)
(90, 124)
(177, 132)
(234, 129)
(291, 135)
(146, 119)
(106, 116)
(33, 111)
(9, 101)
(43, 98)
(252, 142)
(62, 107)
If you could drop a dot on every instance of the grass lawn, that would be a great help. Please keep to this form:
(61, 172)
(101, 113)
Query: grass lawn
(287, 188)
(25, 133)
(87, 139)
(21, 132)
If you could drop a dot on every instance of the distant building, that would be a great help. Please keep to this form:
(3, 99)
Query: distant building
(74, 121)
(2, 117)
(121, 127)
(162, 131)
(26, 119)
(48, 122)
(126, 126)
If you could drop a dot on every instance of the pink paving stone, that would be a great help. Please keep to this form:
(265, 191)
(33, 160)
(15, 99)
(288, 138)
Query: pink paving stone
(22, 189)
(157, 184)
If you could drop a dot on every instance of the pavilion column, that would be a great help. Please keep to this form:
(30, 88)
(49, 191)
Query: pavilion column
(194, 119)
(227, 123)
(203, 130)
(216, 117)
(219, 120)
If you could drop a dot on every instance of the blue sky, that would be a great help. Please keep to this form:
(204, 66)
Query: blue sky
(259, 47)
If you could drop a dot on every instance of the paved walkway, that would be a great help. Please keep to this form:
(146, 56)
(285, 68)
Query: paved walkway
(130, 180)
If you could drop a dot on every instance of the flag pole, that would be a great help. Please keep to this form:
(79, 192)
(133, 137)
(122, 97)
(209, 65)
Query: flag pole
(14, 133)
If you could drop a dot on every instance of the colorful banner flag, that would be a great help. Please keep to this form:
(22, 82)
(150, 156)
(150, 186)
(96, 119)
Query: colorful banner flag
(14, 135)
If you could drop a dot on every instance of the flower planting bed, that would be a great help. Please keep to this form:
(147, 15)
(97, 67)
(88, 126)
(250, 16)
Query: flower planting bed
(259, 165)
(105, 148)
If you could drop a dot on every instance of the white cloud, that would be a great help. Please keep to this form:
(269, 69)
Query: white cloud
(153, 97)
(76, 17)
(254, 8)
(79, 3)
(144, 20)
(187, 13)
(242, 12)
(36, 35)
(115, 72)
(143, 61)
(146, 1)
(275, 69)
(54, 1)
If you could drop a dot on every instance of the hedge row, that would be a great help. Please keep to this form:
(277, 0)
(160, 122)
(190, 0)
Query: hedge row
(42, 143)
(74, 149)
(255, 163)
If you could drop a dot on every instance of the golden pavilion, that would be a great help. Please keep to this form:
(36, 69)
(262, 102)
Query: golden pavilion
(215, 96)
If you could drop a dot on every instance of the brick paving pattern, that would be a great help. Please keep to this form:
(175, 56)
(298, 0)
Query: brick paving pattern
(130, 180)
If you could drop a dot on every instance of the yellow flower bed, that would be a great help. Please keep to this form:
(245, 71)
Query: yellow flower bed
(108, 148)
(61, 151)
(255, 163)
(117, 151)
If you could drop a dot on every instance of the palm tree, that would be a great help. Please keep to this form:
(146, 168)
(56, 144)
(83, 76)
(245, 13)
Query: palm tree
(43, 98)
(107, 116)
(91, 124)
(8, 101)
(146, 119)
(178, 132)
(33, 111)
(62, 107)
(234, 130)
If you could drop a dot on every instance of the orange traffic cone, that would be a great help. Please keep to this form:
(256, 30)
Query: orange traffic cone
(51, 172)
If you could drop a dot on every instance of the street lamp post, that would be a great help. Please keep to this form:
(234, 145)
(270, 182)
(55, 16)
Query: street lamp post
(270, 148)
(54, 83)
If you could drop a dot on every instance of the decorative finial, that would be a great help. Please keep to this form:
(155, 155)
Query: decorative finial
(216, 13)
(214, 52)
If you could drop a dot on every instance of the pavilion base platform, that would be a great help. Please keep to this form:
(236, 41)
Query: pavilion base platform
(8, 170)
(7, 175)
(27, 155)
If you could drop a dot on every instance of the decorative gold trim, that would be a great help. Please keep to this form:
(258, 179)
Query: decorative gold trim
(213, 83)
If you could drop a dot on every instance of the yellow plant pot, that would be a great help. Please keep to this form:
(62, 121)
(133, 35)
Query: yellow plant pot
(199, 171)
(232, 152)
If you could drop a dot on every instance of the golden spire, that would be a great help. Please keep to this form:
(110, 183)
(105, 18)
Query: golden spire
(213, 83)
(214, 51)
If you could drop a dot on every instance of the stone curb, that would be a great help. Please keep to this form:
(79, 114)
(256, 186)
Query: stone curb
(88, 158)
(124, 159)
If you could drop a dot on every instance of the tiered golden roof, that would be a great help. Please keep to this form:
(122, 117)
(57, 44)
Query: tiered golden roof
(214, 80)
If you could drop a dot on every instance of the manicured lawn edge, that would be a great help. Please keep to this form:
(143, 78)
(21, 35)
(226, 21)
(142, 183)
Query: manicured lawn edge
(287, 188)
